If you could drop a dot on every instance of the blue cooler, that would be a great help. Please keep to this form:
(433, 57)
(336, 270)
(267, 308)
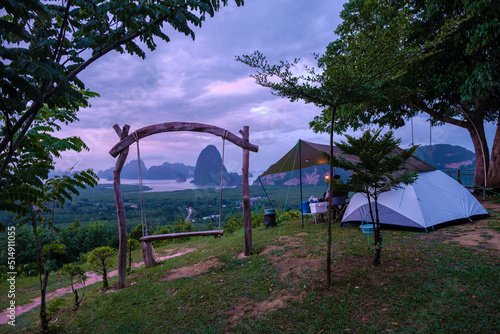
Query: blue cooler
(304, 207)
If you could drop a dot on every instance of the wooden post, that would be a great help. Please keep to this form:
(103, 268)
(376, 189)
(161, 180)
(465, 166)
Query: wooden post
(247, 213)
(120, 209)
(147, 254)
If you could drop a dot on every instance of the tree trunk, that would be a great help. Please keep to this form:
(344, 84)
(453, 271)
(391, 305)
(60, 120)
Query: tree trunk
(76, 298)
(44, 322)
(474, 123)
(104, 276)
(377, 235)
(478, 137)
(494, 168)
(330, 206)
(247, 211)
(130, 257)
(44, 319)
(120, 210)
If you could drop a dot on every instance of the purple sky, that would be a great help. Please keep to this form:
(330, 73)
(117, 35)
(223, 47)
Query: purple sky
(199, 81)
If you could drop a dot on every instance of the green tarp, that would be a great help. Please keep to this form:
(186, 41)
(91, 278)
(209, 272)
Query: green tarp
(306, 154)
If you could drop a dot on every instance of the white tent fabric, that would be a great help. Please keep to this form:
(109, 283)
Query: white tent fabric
(434, 199)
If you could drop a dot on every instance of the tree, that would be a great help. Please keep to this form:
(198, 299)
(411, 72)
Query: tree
(53, 193)
(101, 259)
(136, 232)
(73, 272)
(379, 170)
(22, 182)
(132, 244)
(346, 75)
(458, 82)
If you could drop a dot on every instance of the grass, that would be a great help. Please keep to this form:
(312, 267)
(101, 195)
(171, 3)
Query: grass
(427, 283)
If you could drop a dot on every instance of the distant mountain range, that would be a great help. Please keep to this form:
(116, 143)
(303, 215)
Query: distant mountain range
(206, 172)
(442, 156)
(166, 171)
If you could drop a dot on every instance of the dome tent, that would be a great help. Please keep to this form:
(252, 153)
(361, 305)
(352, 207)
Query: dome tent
(435, 199)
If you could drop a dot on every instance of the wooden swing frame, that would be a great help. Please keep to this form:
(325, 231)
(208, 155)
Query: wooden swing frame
(121, 150)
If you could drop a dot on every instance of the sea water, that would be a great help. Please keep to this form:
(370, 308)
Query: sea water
(167, 185)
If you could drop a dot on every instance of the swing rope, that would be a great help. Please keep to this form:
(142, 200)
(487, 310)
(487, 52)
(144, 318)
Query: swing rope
(224, 136)
(141, 189)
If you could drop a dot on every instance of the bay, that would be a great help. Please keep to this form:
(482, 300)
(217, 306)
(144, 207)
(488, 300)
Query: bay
(168, 185)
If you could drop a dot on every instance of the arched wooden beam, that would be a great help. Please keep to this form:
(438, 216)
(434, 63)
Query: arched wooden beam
(180, 126)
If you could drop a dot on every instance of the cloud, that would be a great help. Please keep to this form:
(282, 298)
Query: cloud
(200, 81)
(241, 86)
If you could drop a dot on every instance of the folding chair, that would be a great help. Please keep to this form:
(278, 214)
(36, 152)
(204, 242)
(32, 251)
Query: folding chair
(339, 205)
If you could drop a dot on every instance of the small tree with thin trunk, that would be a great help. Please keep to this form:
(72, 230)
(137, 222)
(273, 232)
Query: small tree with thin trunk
(74, 272)
(380, 169)
(101, 259)
(132, 244)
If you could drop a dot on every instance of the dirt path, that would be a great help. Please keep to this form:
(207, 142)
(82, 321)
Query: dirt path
(92, 279)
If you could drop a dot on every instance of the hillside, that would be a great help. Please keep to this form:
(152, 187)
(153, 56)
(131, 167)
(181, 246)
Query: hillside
(441, 282)
(444, 156)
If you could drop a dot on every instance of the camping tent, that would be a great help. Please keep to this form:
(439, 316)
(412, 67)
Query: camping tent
(435, 199)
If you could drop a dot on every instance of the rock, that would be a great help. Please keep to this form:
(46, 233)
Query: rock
(208, 169)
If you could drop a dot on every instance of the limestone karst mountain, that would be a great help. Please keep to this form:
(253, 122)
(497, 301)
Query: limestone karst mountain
(208, 169)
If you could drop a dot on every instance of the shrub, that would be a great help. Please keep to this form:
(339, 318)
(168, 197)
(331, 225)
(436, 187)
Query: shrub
(101, 259)
(233, 223)
(291, 215)
(257, 219)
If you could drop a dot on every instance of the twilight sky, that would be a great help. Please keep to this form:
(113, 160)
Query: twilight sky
(199, 81)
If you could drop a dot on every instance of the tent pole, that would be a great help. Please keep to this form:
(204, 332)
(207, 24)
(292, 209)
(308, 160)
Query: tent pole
(265, 192)
(300, 181)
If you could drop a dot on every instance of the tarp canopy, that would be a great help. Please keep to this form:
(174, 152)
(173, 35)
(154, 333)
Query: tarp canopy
(311, 156)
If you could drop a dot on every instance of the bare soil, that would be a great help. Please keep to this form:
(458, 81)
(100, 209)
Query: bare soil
(194, 269)
(478, 233)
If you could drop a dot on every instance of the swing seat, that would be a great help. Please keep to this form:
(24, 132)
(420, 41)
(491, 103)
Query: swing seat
(149, 238)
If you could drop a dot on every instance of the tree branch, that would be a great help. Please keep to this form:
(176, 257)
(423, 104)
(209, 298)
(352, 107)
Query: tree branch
(33, 110)
(420, 105)
(57, 54)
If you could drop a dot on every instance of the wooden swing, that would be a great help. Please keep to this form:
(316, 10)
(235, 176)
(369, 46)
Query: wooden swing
(145, 232)
(121, 150)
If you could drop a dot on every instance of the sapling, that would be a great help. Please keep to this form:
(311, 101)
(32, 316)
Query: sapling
(380, 169)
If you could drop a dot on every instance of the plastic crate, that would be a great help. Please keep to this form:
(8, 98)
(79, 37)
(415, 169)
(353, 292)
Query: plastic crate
(318, 207)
